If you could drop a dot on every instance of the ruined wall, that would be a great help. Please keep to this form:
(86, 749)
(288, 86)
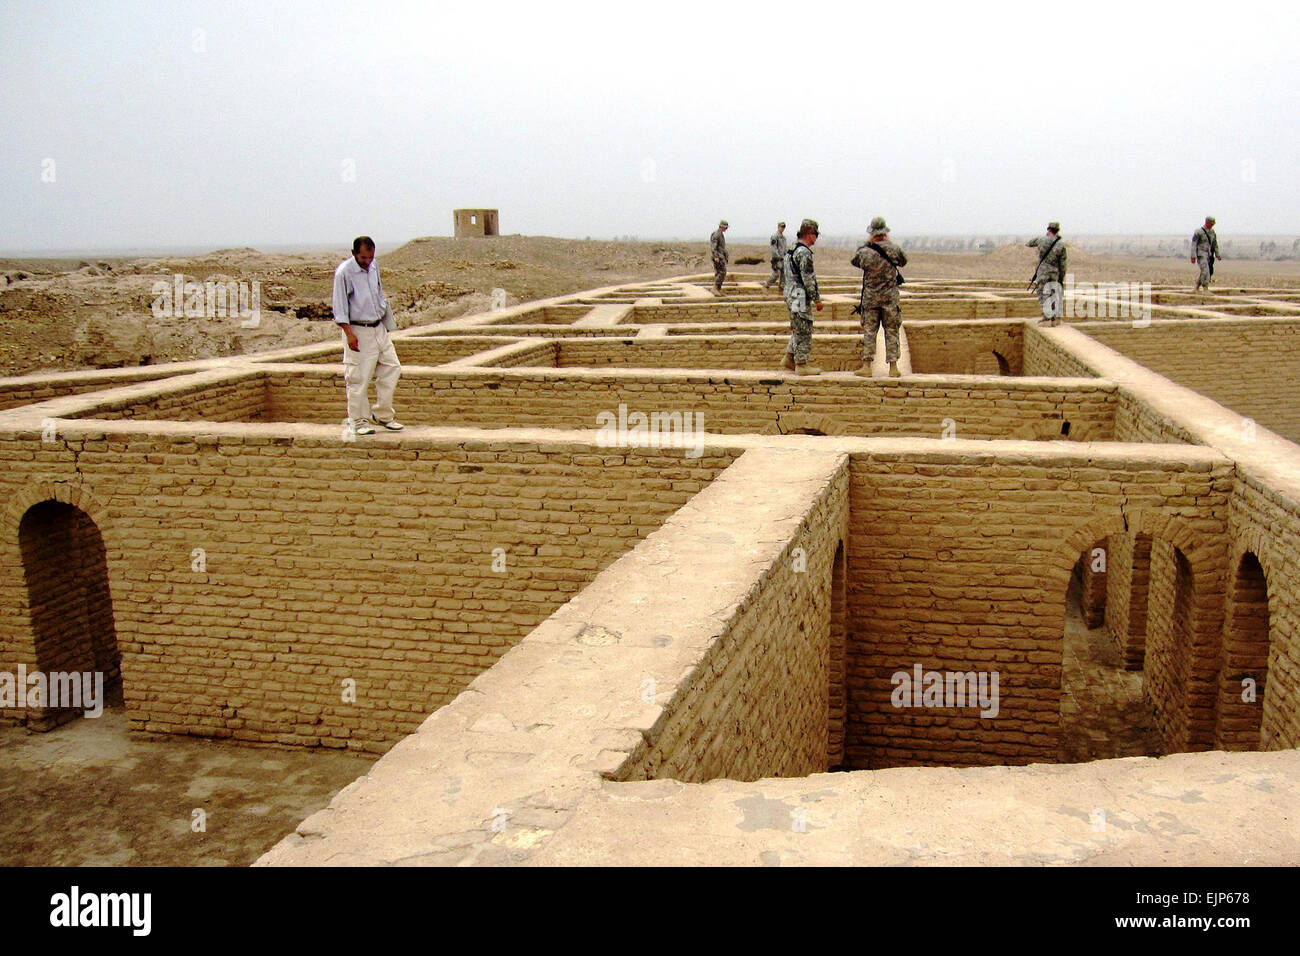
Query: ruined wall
(423, 350)
(965, 349)
(545, 315)
(757, 702)
(962, 564)
(774, 310)
(240, 398)
(28, 389)
(1135, 420)
(1127, 585)
(1168, 664)
(322, 561)
(1266, 523)
(1043, 356)
(1005, 408)
(938, 348)
(1092, 594)
(1251, 366)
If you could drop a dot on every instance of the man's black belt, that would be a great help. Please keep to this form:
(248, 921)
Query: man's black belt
(367, 325)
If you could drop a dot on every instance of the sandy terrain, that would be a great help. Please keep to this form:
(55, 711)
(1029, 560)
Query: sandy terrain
(61, 314)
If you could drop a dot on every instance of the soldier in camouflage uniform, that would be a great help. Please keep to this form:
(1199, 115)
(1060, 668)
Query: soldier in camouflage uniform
(879, 302)
(718, 252)
(1050, 275)
(1205, 249)
(801, 293)
(778, 247)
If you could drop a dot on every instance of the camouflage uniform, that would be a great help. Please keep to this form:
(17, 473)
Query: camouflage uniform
(800, 298)
(1205, 246)
(778, 247)
(879, 302)
(1049, 277)
(718, 252)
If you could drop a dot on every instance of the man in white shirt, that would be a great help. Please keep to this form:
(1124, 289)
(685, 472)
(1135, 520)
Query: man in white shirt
(363, 312)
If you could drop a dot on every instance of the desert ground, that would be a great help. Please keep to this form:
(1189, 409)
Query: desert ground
(68, 314)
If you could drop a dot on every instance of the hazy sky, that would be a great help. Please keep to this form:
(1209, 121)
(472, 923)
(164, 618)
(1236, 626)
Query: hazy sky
(219, 124)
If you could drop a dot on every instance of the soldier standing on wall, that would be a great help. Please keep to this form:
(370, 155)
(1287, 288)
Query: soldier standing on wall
(1205, 249)
(1050, 274)
(800, 293)
(718, 252)
(879, 259)
(778, 248)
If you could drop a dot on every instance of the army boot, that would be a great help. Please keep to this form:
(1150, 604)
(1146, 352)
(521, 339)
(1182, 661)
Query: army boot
(865, 371)
(787, 363)
(807, 370)
(893, 370)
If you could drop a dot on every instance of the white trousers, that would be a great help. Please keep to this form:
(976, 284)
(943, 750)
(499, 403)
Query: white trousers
(376, 359)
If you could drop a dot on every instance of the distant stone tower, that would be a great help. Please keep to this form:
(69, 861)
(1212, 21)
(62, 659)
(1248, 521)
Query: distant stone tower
(471, 223)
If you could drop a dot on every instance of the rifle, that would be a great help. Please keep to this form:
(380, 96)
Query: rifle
(1042, 257)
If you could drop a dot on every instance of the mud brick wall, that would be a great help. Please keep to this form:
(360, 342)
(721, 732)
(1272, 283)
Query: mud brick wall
(30, 389)
(1252, 367)
(1042, 356)
(242, 398)
(936, 348)
(1006, 408)
(1134, 419)
(1267, 524)
(774, 310)
(523, 332)
(324, 561)
(542, 354)
(1169, 636)
(757, 704)
(937, 308)
(1128, 570)
(962, 565)
(945, 348)
(1092, 595)
(719, 310)
(427, 350)
(547, 315)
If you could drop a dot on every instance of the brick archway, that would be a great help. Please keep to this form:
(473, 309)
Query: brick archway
(1186, 705)
(798, 423)
(74, 493)
(66, 622)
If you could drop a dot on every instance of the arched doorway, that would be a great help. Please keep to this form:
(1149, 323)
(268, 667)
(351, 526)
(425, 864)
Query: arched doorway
(1104, 713)
(65, 567)
(1245, 658)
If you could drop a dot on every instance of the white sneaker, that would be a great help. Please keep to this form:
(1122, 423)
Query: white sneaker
(392, 426)
(363, 427)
